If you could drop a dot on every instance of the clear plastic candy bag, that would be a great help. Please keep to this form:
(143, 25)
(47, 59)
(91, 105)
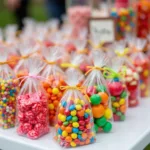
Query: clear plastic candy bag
(55, 75)
(73, 65)
(32, 103)
(26, 49)
(97, 90)
(117, 89)
(141, 63)
(9, 90)
(131, 79)
(74, 123)
(83, 52)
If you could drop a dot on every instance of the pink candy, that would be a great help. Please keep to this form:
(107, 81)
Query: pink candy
(79, 17)
(32, 115)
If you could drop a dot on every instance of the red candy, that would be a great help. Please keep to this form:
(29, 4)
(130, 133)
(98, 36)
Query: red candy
(115, 88)
(32, 115)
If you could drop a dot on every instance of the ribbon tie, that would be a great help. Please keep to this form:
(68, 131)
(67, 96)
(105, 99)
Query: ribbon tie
(27, 56)
(121, 54)
(50, 62)
(100, 45)
(71, 88)
(84, 51)
(69, 65)
(6, 62)
(110, 74)
(91, 68)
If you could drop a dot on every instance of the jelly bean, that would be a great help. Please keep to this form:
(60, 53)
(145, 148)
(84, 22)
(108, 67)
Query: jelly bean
(74, 135)
(75, 124)
(72, 107)
(75, 130)
(108, 113)
(68, 139)
(74, 119)
(68, 129)
(73, 113)
(64, 134)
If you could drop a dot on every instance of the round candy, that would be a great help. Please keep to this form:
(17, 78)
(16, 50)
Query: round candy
(74, 135)
(98, 111)
(64, 134)
(108, 113)
(115, 88)
(101, 121)
(104, 96)
(95, 99)
(75, 124)
(55, 91)
(107, 127)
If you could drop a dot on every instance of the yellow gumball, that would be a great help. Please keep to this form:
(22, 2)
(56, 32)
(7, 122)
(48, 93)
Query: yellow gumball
(73, 113)
(78, 107)
(55, 91)
(116, 104)
(73, 144)
(122, 101)
(75, 124)
(63, 118)
(51, 106)
(74, 135)
(108, 113)
(64, 134)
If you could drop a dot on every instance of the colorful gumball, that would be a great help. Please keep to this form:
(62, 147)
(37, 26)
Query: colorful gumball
(117, 89)
(96, 89)
(74, 125)
(9, 88)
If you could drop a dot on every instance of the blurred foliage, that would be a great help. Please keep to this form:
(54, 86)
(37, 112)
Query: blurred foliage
(36, 10)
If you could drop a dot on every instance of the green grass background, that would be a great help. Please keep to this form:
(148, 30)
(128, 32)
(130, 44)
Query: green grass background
(36, 10)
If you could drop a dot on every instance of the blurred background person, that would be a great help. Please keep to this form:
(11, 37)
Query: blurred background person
(56, 9)
(20, 9)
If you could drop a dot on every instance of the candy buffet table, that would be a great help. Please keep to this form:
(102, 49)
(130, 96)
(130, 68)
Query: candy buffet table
(133, 134)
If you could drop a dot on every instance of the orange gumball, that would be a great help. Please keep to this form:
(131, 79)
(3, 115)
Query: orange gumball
(98, 111)
(123, 108)
(80, 113)
(49, 90)
(68, 139)
(68, 129)
(104, 97)
(55, 103)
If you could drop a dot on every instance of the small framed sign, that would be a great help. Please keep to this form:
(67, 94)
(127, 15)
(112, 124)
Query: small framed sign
(103, 29)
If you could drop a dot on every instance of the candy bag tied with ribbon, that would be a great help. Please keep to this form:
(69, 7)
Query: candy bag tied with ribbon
(74, 122)
(117, 89)
(55, 76)
(32, 103)
(9, 90)
(131, 78)
(141, 63)
(26, 49)
(97, 90)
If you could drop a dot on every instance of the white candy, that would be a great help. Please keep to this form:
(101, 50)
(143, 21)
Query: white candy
(136, 76)
(139, 69)
(129, 79)
(133, 83)
(129, 72)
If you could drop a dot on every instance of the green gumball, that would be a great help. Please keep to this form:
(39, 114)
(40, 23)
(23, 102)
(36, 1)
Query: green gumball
(95, 99)
(107, 127)
(101, 121)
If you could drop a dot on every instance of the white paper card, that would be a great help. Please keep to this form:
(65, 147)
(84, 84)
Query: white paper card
(102, 29)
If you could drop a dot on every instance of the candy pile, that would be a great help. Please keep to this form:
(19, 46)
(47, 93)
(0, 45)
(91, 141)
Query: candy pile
(74, 124)
(54, 94)
(79, 17)
(132, 83)
(143, 17)
(142, 66)
(8, 92)
(118, 97)
(124, 18)
(99, 99)
(32, 115)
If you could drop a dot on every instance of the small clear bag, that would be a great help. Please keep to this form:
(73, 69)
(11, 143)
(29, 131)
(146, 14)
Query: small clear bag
(55, 76)
(9, 90)
(141, 63)
(27, 49)
(117, 89)
(32, 103)
(83, 52)
(97, 90)
(74, 122)
(131, 79)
